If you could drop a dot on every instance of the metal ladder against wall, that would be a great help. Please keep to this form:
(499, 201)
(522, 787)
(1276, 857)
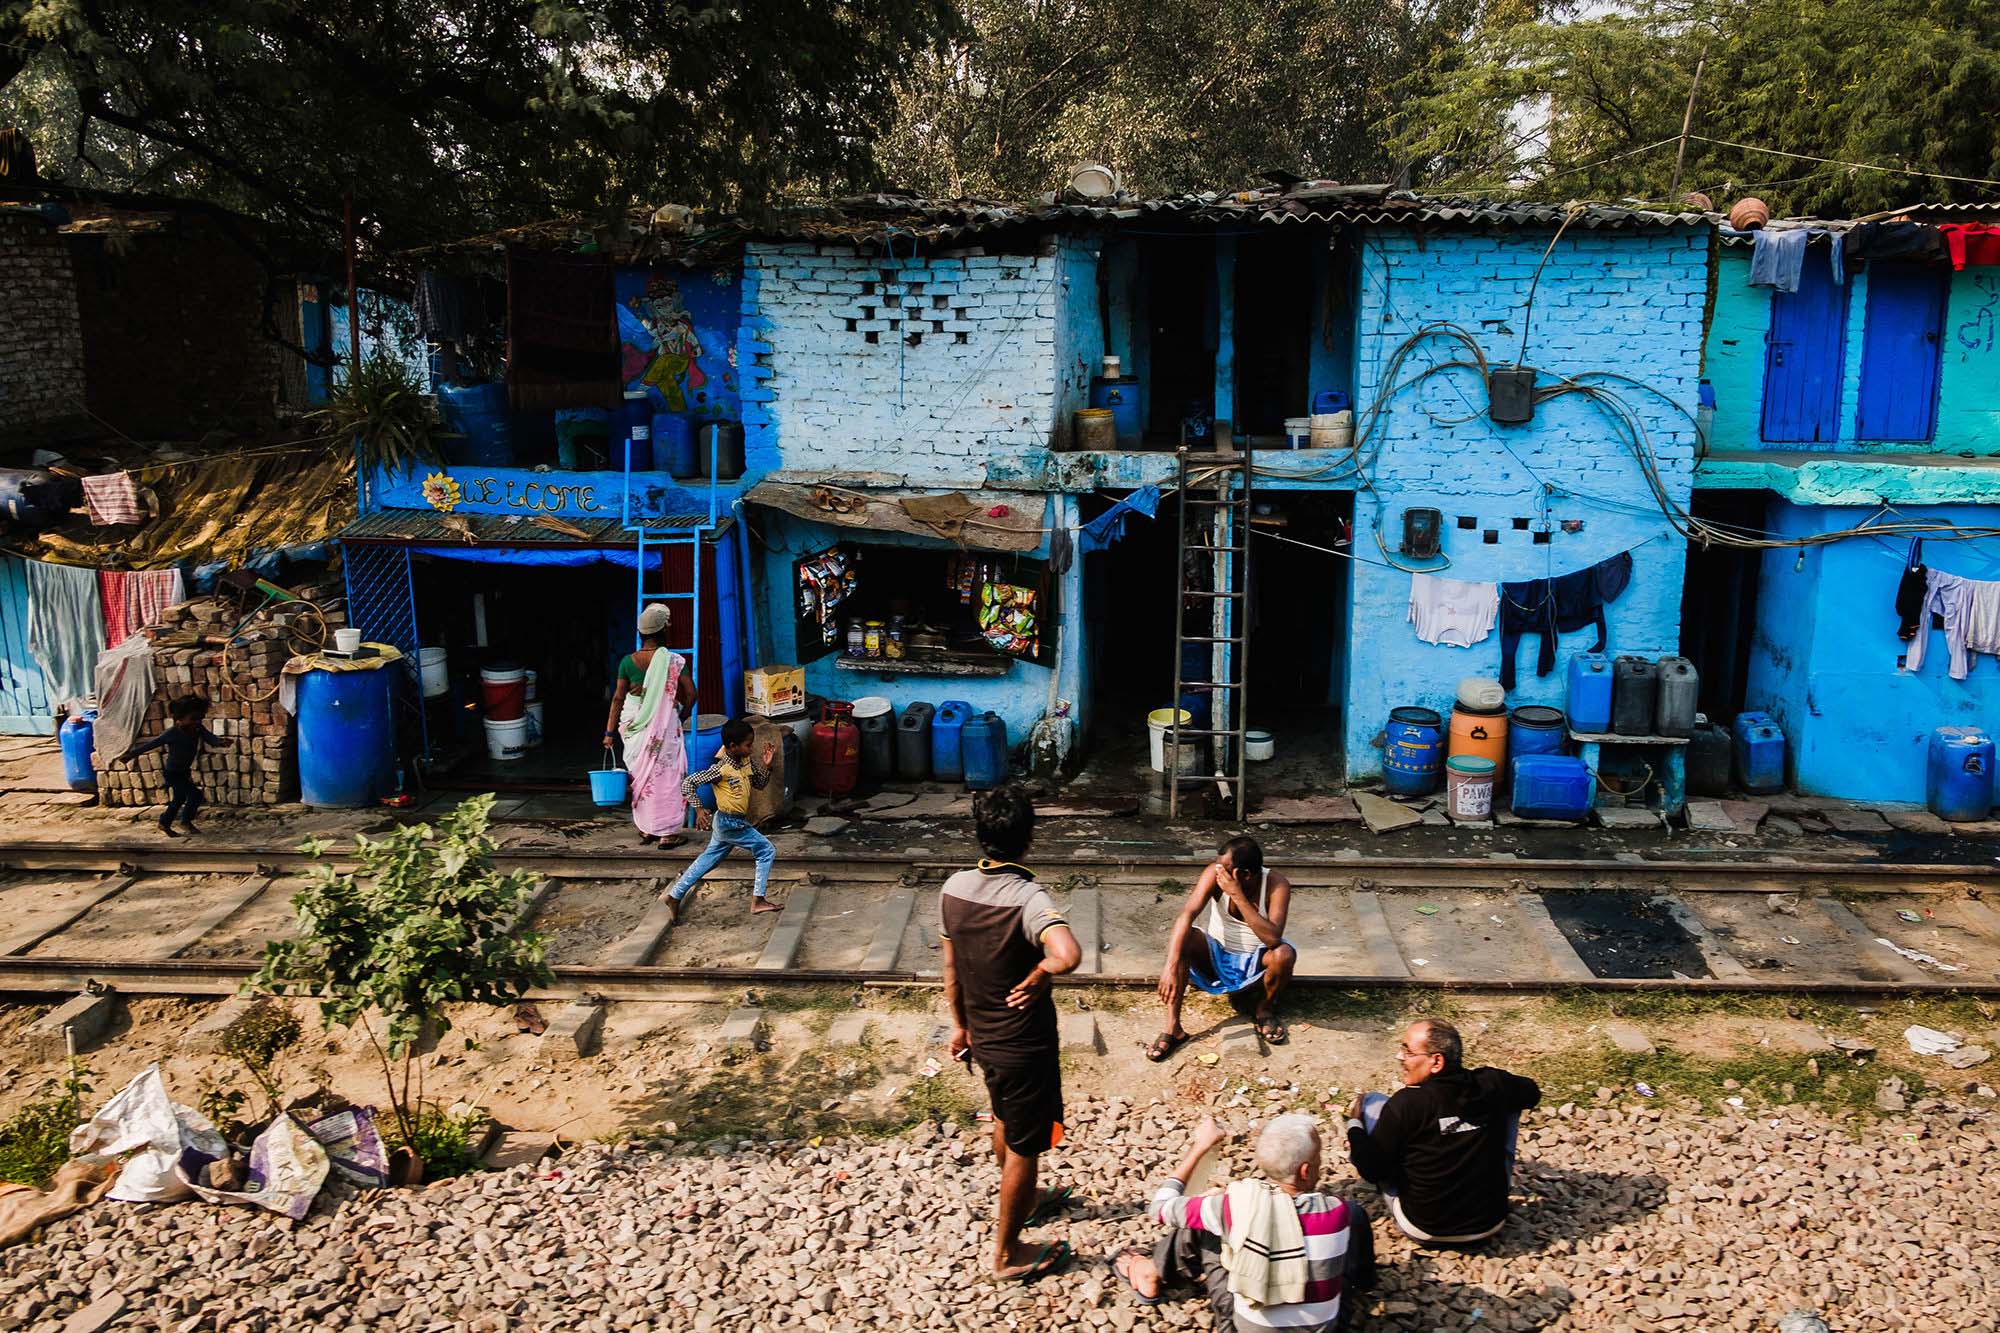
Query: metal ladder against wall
(655, 540)
(1215, 503)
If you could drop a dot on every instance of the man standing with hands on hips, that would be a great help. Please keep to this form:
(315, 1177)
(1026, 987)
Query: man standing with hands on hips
(1002, 942)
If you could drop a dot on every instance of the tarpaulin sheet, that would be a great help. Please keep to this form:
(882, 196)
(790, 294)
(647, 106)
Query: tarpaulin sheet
(219, 508)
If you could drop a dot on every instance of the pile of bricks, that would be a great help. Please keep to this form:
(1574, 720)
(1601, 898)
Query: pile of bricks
(259, 765)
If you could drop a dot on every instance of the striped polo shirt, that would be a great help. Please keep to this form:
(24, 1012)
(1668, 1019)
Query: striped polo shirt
(1323, 1220)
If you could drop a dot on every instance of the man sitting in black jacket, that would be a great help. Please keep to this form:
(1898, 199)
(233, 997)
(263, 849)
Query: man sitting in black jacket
(1442, 1149)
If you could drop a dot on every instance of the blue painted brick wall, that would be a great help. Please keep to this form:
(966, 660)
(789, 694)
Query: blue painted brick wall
(1629, 303)
(933, 411)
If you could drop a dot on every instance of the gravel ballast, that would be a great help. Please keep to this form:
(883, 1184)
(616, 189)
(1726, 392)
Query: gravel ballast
(1631, 1217)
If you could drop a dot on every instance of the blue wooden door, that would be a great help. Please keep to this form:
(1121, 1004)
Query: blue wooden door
(24, 695)
(1899, 352)
(1802, 359)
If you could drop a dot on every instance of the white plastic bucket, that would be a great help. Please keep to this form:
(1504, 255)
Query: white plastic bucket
(1332, 430)
(1258, 746)
(507, 740)
(346, 640)
(1158, 723)
(1298, 432)
(533, 717)
(873, 705)
(436, 675)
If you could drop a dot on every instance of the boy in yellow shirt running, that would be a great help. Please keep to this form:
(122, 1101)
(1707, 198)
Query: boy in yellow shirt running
(733, 775)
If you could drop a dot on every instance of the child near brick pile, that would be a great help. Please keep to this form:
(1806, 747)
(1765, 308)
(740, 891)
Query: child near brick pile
(183, 742)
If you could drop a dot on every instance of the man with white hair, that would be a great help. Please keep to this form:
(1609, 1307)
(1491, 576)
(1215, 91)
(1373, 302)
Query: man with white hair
(1271, 1252)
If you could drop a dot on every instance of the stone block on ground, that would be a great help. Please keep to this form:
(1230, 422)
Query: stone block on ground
(1628, 817)
(100, 1313)
(848, 1030)
(1239, 1038)
(1628, 1038)
(207, 1036)
(1709, 817)
(825, 826)
(1747, 814)
(574, 1032)
(1383, 815)
(1079, 1034)
(86, 1016)
(1855, 819)
(1798, 1039)
(1307, 810)
(743, 1030)
(1915, 821)
(519, 1147)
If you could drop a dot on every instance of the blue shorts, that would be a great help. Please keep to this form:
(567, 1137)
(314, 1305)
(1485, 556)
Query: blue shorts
(1223, 972)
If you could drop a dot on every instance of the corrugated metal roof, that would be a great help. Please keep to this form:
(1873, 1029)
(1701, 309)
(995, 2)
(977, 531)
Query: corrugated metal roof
(1927, 213)
(424, 527)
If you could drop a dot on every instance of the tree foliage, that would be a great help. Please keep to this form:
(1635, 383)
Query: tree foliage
(1184, 95)
(444, 118)
(1591, 107)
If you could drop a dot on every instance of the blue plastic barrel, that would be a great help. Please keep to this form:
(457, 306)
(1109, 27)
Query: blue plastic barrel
(1590, 677)
(76, 742)
(1412, 751)
(1551, 786)
(347, 737)
(1119, 396)
(947, 749)
(702, 745)
(477, 414)
(1534, 729)
(673, 445)
(983, 743)
(1958, 782)
(1760, 755)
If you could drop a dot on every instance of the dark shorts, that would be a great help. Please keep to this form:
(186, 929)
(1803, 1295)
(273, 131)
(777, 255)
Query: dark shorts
(1027, 1101)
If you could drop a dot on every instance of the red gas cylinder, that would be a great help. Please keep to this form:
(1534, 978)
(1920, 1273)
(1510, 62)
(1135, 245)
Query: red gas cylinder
(835, 750)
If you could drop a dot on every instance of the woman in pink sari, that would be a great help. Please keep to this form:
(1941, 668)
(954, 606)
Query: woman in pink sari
(653, 687)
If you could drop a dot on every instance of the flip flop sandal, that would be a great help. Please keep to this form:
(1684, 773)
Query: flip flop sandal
(1273, 1031)
(1049, 1206)
(1053, 1259)
(1137, 1295)
(1165, 1045)
(673, 840)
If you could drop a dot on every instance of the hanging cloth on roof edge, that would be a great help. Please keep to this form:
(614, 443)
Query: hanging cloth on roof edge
(1971, 243)
(1778, 258)
(1109, 526)
(65, 628)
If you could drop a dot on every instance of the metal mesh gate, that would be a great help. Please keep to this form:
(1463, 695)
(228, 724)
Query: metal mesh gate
(382, 604)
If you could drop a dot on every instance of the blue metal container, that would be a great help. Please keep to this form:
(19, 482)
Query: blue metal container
(947, 750)
(1551, 786)
(1958, 782)
(673, 445)
(703, 744)
(1590, 677)
(478, 415)
(76, 742)
(1120, 396)
(983, 742)
(347, 737)
(1534, 729)
(1412, 751)
(1760, 756)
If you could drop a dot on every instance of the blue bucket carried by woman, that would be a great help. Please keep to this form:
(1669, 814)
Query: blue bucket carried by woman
(608, 784)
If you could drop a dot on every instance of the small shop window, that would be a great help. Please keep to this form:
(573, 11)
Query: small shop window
(913, 609)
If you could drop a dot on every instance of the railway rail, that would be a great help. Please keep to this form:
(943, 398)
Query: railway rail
(188, 921)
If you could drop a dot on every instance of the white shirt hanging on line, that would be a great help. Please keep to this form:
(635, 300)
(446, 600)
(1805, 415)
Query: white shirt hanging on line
(1452, 611)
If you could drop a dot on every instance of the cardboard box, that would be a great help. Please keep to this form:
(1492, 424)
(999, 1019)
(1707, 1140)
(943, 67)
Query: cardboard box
(774, 690)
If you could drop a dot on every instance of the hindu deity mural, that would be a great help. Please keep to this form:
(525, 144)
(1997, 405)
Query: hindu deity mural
(677, 328)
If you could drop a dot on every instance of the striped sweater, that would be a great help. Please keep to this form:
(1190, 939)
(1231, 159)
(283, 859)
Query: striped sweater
(1323, 1219)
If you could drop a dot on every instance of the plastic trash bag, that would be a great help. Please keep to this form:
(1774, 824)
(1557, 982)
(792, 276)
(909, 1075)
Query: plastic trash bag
(287, 1168)
(161, 1135)
(353, 1145)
